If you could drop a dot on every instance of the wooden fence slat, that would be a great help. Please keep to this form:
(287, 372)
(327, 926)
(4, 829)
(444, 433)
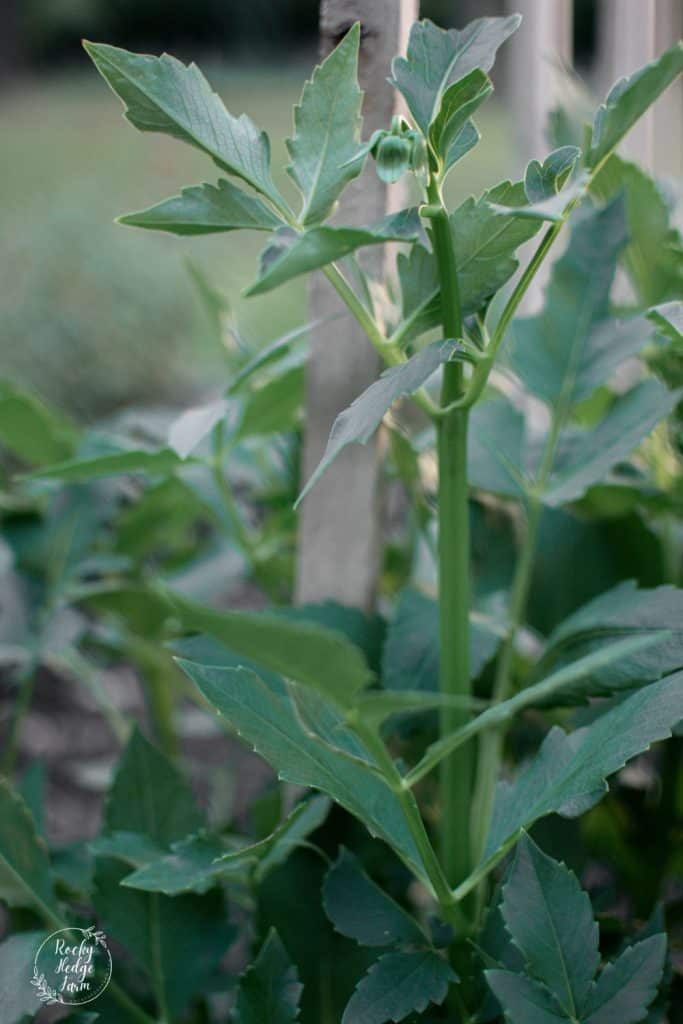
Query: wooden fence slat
(536, 54)
(631, 33)
(339, 542)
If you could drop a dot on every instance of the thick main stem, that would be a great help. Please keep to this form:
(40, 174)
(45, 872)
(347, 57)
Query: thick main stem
(454, 674)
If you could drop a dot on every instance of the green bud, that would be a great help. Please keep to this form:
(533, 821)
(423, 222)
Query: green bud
(393, 157)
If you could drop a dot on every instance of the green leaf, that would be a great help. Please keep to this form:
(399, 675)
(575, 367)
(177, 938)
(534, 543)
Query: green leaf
(568, 774)
(466, 140)
(275, 407)
(263, 714)
(206, 209)
(149, 796)
(327, 131)
(544, 186)
(551, 921)
(628, 100)
(622, 611)
(31, 430)
(360, 910)
(495, 446)
(191, 866)
(159, 462)
(272, 352)
(192, 426)
(199, 862)
(459, 103)
(308, 653)
(543, 181)
(626, 987)
(161, 94)
(653, 256)
(178, 943)
(358, 423)
(524, 1000)
(292, 254)
(269, 990)
(25, 879)
(397, 985)
(436, 58)
(485, 242)
(572, 346)
(592, 453)
(669, 318)
(17, 953)
(411, 652)
(150, 799)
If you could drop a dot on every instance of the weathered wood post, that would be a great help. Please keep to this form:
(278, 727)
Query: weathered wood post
(339, 533)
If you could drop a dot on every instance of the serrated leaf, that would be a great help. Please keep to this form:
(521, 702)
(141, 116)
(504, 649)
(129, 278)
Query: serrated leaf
(397, 985)
(161, 94)
(31, 430)
(25, 879)
(568, 774)
(411, 652)
(269, 990)
(201, 861)
(156, 462)
(653, 256)
(191, 866)
(360, 910)
(669, 318)
(327, 130)
(314, 655)
(628, 100)
(459, 102)
(263, 714)
(524, 1000)
(544, 186)
(485, 242)
(149, 796)
(204, 210)
(292, 254)
(19, 999)
(270, 353)
(542, 181)
(358, 423)
(573, 345)
(435, 58)
(592, 453)
(626, 987)
(495, 445)
(192, 426)
(133, 848)
(550, 919)
(466, 140)
(622, 611)
(177, 942)
(275, 407)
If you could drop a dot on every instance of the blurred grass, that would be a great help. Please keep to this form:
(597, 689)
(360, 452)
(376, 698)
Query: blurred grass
(96, 316)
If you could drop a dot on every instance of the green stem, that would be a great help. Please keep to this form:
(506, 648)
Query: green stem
(411, 813)
(491, 743)
(390, 353)
(454, 674)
